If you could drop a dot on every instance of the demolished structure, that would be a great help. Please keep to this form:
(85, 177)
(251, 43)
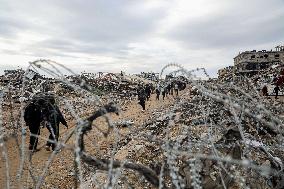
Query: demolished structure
(250, 63)
(264, 68)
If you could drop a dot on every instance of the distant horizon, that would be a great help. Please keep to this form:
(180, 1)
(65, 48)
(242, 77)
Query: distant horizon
(91, 71)
(105, 71)
(42, 73)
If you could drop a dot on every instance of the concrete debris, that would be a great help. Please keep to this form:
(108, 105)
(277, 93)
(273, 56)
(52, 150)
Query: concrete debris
(124, 123)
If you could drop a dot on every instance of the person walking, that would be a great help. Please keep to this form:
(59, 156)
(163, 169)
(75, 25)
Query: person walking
(276, 90)
(163, 90)
(168, 89)
(53, 117)
(33, 118)
(142, 97)
(158, 93)
(148, 91)
(176, 89)
(264, 91)
(172, 88)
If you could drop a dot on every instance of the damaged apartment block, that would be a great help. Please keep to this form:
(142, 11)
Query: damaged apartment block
(250, 63)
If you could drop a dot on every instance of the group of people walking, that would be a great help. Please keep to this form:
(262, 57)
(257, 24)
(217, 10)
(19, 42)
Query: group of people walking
(278, 82)
(169, 89)
(276, 90)
(144, 92)
(43, 110)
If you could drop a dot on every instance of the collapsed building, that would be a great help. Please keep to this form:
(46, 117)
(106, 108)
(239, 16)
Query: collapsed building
(226, 72)
(250, 63)
(263, 68)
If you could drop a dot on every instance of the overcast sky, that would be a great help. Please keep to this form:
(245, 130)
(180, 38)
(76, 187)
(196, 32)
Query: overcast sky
(136, 35)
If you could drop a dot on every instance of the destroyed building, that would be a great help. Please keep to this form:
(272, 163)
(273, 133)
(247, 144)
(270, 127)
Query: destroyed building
(225, 72)
(253, 63)
(249, 63)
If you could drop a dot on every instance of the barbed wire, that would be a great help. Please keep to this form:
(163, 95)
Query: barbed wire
(214, 134)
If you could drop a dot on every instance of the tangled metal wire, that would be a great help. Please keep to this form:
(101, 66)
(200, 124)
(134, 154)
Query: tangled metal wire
(214, 135)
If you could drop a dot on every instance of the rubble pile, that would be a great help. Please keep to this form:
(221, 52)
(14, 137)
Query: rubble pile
(217, 136)
(104, 84)
(112, 85)
(149, 76)
(269, 77)
(13, 81)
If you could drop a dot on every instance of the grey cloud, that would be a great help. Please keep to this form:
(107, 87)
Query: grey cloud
(245, 24)
(97, 27)
(14, 20)
(108, 21)
(10, 27)
(61, 47)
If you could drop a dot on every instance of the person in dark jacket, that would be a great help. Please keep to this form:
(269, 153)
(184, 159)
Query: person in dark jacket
(171, 88)
(158, 92)
(53, 117)
(142, 97)
(33, 118)
(176, 89)
(163, 90)
(276, 90)
(264, 91)
(148, 91)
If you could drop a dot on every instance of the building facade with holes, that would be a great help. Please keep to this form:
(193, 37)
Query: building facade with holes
(249, 63)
